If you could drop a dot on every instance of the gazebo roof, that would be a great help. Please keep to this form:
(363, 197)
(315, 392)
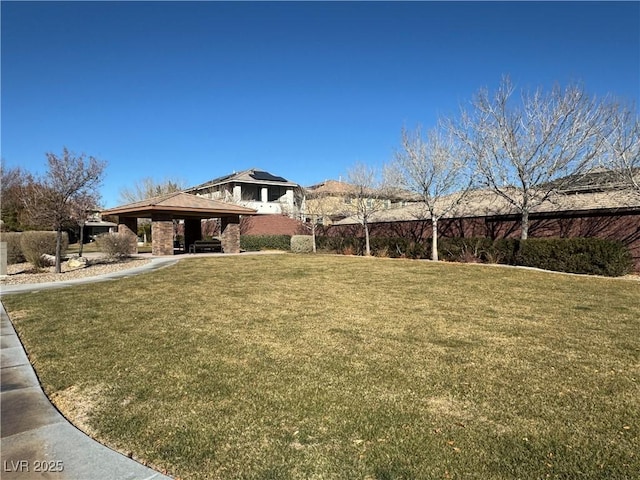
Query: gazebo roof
(180, 203)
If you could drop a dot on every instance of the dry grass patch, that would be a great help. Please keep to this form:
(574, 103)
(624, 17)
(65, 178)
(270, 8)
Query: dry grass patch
(330, 367)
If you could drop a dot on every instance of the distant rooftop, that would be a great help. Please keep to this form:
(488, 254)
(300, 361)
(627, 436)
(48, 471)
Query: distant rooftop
(595, 180)
(330, 188)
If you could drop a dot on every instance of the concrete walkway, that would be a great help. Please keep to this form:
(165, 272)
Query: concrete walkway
(157, 262)
(37, 442)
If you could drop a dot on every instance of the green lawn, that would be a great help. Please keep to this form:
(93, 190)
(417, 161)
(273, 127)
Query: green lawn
(327, 367)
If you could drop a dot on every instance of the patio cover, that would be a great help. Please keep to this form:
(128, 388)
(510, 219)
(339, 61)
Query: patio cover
(179, 205)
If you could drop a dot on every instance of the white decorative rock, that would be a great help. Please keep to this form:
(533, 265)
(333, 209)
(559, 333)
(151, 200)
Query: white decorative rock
(77, 262)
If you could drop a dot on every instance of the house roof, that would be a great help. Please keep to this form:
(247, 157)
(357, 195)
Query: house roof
(330, 188)
(252, 175)
(596, 179)
(180, 203)
(486, 203)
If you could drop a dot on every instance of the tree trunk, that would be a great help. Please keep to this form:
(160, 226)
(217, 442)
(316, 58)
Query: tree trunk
(81, 239)
(366, 240)
(434, 239)
(58, 250)
(524, 225)
(313, 234)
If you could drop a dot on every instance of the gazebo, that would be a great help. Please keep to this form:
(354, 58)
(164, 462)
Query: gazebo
(163, 210)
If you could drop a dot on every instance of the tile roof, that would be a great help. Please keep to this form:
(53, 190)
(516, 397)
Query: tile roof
(482, 203)
(180, 202)
(338, 188)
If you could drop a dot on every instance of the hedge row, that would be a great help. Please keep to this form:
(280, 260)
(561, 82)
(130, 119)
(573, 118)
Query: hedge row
(594, 256)
(30, 246)
(254, 243)
(14, 250)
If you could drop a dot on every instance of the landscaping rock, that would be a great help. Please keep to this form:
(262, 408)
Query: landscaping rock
(48, 260)
(77, 262)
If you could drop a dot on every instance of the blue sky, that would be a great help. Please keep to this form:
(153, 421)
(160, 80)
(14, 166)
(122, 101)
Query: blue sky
(195, 90)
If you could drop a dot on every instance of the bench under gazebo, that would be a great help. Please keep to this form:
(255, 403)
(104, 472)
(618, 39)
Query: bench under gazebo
(164, 209)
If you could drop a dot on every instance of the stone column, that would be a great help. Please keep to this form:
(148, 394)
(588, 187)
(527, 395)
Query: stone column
(231, 234)
(129, 225)
(162, 234)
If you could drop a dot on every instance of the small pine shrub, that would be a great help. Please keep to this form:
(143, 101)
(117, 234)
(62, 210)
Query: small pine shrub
(254, 243)
(117, 245)
(36, 244)
(302, 244)
(14, 249)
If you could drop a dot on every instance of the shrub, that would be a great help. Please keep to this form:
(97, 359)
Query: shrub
(394, 247)
(594, 256)
(14, 249)
(302, 244)
(503, 251)
(36, 244)
(117, 245)
(468, 250)
(265, 242)
(574, 255)
(337, 244)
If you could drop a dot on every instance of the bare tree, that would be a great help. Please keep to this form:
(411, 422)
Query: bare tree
(314, 213)
(80, 210)
(524, 147)
(365, 198)
(13, 181)
(51, 200)
(433, 168)
(148, 187)
(623, 144)
(145, 188)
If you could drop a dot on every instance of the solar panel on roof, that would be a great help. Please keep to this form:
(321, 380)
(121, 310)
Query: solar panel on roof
(266, 176)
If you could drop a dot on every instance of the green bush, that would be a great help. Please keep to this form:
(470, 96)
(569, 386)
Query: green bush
(503, 250)
(36, 244)
(302, 244)
(117, 245)
(254, 243)
(593, 256)
(573, 255)
(14, 250)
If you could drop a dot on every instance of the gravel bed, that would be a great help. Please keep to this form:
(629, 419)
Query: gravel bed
(23, 273)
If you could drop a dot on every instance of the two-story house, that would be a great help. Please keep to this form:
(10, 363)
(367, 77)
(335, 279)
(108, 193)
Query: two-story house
(256, 189)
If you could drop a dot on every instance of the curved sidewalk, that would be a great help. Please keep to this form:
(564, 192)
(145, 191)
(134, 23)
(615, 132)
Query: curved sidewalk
(37, 442)
(36, 287)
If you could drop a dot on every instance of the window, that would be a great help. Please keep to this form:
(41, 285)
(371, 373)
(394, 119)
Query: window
(275, 193)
